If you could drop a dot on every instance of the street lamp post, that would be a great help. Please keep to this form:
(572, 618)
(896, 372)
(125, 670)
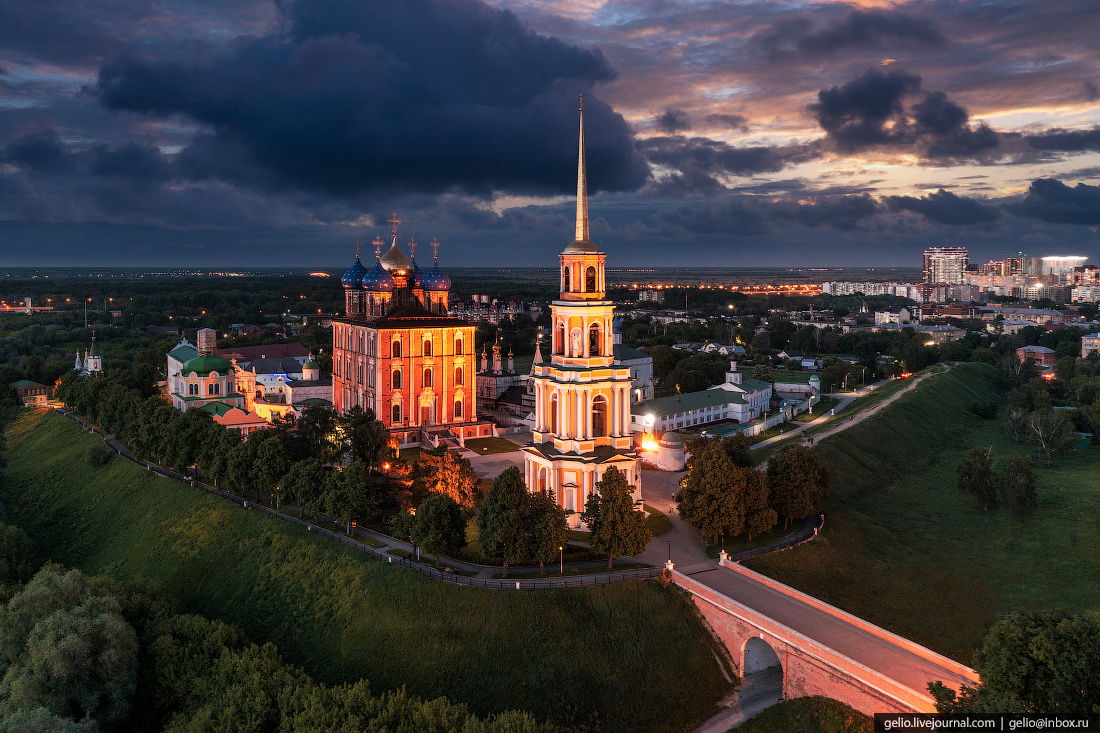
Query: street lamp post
(561, 560)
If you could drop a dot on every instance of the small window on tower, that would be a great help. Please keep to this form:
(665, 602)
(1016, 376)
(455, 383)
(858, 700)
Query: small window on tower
(395, 351)
(458, 376)
(396, 412)
(458, 347)
(427, 347)
(428, 380)
(590, 280)
(396, 380)
(458, 409)
(565, 279)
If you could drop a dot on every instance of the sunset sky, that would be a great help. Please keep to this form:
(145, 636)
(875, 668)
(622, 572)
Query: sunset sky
(726, 134)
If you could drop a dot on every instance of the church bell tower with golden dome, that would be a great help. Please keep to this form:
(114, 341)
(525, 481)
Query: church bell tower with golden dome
(582, 401)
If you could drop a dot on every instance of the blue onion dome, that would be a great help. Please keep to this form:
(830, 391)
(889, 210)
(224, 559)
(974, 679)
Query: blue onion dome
(435, 279)
(377, 280)
(354, 274)
(415, 276)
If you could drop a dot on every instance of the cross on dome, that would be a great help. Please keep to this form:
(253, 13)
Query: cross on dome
(394, 221)
(357, 245)
(435, 249)
(377, 247)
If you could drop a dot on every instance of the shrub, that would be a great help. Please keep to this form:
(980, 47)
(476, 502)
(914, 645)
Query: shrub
(984, 410)
(99, 455)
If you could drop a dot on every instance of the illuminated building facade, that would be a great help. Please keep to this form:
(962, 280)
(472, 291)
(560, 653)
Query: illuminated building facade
(582, 399)
(945, 264)
(399, 353)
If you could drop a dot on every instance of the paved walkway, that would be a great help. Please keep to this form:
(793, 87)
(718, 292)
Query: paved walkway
(757, 692)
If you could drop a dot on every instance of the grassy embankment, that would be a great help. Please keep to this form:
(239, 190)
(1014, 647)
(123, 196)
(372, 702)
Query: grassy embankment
(903, 548)
(629, 656)
(806, 715)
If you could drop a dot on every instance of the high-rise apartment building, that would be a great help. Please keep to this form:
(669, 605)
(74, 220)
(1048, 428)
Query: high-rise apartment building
(945, 265)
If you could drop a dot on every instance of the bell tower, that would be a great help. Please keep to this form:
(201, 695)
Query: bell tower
(582, 401)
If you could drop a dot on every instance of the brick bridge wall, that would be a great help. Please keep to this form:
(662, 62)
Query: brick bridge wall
(809, 668)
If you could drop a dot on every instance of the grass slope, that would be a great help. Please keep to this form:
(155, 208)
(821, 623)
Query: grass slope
(903, 548)
(628, 656)
(808, 715)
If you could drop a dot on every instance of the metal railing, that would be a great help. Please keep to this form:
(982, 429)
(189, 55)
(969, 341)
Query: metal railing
(809, 529)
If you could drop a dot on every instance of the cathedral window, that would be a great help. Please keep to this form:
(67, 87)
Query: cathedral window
(458, 376)
(395, 351)
(213, 388)
(543, 482)
(590, 280)
(594, 340)
(565, 279)
(458, 347)
(395, 412)
(192, 390)
(599, 417)
(396, 383)
(428, 380)
(458, 409)
(427, 347)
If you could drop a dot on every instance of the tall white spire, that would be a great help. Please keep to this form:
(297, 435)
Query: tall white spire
(582, 185)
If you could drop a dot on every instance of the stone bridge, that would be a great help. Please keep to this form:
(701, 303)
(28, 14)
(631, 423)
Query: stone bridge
(820, 649)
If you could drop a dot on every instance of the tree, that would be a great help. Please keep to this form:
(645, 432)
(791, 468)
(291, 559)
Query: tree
(368, 438)
(762, 373)
(446, 472)
(303, 484)
(1033, 662)
(270, 466)
(501, 522)
(439, 526)
(366, 492)
(1018, 483)
(798, 483)
(1015, 419)
(709, 498)
(1050, 431)
(759, 516)
(317, 431)
(65, 647)
(739, 449)
(975, 476)
(546, 528)
(616, 527)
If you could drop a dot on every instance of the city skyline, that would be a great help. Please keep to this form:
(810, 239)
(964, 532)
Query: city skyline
(720, 134)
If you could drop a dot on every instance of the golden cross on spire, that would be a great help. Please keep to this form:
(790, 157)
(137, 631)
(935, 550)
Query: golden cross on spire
(377, 247)
(357, 245)
(394, 222)
(435, 249)
(412, 247)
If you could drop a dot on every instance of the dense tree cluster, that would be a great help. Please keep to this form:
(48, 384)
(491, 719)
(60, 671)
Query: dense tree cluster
(722, 494)
(1015, 485)
(1033, 662)
(517, 525)
(294, 460)
(617, 528)
(85, 655)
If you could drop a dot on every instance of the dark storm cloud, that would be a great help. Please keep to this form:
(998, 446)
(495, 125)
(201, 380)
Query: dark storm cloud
(424, 95)
(944, 207)
(860, 29)
(1069, 141)
(698, 161)
(673, 120)
(872, 111)
(1050, 200)
(732, 122)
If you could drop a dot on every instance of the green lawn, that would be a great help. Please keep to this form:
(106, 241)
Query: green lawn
(491, 446)
(620, 657)
(657, 522)
(823, 406)
(903, 548)
(808, 715)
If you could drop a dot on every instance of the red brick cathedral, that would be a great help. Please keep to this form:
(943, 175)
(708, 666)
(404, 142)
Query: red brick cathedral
(399, 353)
